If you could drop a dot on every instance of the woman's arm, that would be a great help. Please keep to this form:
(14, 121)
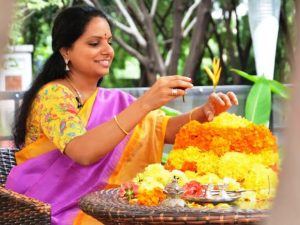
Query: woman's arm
(95, 143)
(216, 104)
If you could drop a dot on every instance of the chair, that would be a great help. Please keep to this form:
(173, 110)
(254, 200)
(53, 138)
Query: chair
(16, 208)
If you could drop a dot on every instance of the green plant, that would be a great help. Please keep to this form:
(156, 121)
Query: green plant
(259, 100)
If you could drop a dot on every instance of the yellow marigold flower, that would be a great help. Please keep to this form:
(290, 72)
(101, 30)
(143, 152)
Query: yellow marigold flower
(249, 196)
(191, 175)
(181, 177)
(233, 185)
(235, 165)
(176, 158)
(207, 163)
(260, 178)
(154, 169)
(209, 178)
(139, 178)
(266, 194)
(223, 206)
(268, 158)
(209, 206)
(246, 204)
(226, 119)
(150, 183)
(194, 205)
(191, 154)
(158, 173)
(219, 145)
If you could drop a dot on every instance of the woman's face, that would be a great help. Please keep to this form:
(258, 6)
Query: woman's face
(92, 53)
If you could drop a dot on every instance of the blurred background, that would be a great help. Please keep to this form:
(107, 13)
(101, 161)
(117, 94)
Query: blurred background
(155, 38)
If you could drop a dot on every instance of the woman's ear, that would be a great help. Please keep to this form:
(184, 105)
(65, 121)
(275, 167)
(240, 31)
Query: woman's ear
(64, 53)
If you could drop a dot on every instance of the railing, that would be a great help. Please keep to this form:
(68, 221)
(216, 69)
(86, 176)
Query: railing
(9, 101)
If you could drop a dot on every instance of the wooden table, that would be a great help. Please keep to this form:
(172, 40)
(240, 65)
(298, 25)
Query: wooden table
(108, 208)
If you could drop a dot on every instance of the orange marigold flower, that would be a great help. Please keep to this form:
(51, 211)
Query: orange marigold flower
(220, 137)
(169, 166)
(151, 198)
(192, 166)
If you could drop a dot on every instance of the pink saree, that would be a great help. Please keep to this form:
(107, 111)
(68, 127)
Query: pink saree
(54, 178)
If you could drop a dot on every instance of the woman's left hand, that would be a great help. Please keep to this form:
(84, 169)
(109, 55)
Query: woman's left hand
(218, 103)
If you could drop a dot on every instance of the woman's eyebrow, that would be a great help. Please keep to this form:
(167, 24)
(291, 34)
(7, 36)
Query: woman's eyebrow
(102, 36)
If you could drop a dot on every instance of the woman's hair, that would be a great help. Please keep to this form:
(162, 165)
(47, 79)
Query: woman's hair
(68, 26)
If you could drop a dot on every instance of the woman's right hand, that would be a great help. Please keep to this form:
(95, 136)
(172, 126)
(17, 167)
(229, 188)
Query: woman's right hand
(164, 90)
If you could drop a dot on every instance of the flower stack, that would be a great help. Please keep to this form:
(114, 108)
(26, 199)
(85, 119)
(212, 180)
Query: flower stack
(228, 150)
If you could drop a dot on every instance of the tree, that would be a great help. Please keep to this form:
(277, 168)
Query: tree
(156, 40)
(172, 36)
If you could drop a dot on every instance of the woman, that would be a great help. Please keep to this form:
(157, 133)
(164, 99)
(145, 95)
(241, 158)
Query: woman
(76, 138)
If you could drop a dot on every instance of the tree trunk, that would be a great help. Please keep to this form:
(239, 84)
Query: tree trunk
(152, 45)
(177, 36)
(198, 36)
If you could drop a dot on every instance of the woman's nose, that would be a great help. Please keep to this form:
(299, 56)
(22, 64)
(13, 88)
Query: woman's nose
(107, 49)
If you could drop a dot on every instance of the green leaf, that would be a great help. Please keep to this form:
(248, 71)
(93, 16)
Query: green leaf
(279, 88)
(258, 103)
(250, 77)
(170, 111)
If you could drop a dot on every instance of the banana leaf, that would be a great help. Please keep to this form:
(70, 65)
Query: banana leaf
(278, 88)
(170, 111)
(259, 102)
(250, 77)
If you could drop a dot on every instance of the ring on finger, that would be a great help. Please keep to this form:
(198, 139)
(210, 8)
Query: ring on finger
(174, 92)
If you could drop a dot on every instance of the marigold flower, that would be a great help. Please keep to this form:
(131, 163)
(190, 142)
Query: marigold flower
(151, 198)
(192, 166)
(227, 132)
(229, 150)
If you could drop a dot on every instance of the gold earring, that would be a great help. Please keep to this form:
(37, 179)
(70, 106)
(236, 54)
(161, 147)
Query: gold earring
(67, 67)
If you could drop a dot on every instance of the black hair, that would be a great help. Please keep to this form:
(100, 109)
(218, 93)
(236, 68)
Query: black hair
(68, 26)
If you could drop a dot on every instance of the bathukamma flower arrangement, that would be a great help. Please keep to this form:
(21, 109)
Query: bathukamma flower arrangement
(229, 152)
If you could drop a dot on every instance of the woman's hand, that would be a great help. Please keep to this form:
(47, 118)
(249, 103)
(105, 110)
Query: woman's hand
(218, 103)
(164, 90)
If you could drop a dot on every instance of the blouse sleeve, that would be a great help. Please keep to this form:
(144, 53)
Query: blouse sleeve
(59, 115)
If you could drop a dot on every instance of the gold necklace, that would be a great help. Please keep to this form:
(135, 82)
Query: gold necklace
(78, 97)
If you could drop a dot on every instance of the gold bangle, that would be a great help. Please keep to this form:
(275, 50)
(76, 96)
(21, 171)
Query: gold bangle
(191, 112)
(122, 129)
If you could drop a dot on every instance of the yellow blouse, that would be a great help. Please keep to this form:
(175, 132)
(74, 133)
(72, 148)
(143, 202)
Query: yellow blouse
(54, 115)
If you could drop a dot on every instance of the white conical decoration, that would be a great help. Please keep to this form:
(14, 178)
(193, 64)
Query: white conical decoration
(264, 22)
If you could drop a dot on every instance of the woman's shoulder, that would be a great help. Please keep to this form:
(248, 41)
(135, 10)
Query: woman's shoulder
(55, 95)
(54, 89)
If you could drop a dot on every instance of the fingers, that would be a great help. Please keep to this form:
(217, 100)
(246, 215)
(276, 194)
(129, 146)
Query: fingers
(232, 98)
(226, 100)
(174, 86)
(177, 77)
(215, 99)
(222, 99)
(178, 82)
